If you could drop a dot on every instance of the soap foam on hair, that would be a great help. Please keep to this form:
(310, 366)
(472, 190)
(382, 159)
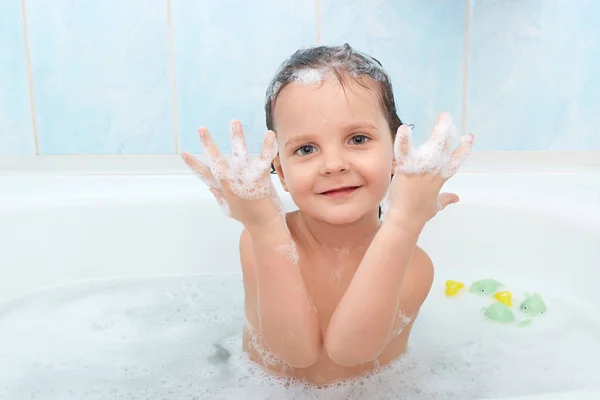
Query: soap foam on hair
(308, 76)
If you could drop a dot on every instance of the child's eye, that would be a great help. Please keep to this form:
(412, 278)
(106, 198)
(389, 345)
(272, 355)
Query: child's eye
(359, 139)
(304, 150)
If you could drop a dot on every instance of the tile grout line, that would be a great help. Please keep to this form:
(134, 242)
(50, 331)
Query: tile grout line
(173, 81)
(30, 78)
(465, 71)
(318, 24)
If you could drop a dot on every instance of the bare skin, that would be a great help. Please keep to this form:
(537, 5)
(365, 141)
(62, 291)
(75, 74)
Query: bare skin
(331, 292)
(327, 273)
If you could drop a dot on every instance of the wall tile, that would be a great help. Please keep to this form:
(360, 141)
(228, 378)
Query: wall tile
(420, 44)
(16, 124)
(101, 76)
(226, 52)
(102, 79)
(534, 75)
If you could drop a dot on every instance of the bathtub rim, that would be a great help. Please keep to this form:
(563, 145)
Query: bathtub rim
(488, 163)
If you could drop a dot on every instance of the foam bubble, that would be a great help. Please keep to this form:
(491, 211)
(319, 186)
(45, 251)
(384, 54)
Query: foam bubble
(266, 356)
(401, 322)
(181, 338)
(434, 156)
(289, 251)
(204, 174)
(221, 200)
(385, 204)
(308, 76)
(247, 178)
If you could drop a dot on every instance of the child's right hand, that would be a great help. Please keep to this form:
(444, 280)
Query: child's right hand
(243, 189)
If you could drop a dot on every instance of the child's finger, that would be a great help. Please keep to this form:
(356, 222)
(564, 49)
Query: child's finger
(441, 130)
(459, 155)
(218, 165)
(239, 150)
(269, 150)
(449, 139)
(202, 171)
(219, 196)
(446, 199)
(208, 145)
(403, 143)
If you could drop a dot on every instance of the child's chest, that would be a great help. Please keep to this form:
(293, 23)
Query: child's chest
(326, 279)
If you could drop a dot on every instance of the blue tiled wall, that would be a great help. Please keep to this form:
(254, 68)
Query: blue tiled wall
(138, 76)
(534, 74)
(16, 126)
(225, 55)
(420, 44)
(101, 76)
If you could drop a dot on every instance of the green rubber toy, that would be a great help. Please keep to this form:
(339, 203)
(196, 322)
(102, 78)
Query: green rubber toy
(499, 312)
(533, 305)
(485, 286)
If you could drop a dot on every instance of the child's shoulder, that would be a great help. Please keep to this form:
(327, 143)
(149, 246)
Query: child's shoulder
(419, 277)
(421, 258)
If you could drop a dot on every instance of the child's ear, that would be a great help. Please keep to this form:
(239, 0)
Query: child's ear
(277, 166)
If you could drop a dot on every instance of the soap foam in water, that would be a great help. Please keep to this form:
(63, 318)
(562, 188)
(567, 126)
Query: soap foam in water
(180, 338)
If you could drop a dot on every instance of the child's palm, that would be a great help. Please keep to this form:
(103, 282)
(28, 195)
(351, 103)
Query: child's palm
(243, 189)
(421, 173)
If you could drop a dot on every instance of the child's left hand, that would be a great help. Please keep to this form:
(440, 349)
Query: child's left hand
(420, 173)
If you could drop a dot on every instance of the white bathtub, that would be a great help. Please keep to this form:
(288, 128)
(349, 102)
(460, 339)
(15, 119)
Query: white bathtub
(57, 229)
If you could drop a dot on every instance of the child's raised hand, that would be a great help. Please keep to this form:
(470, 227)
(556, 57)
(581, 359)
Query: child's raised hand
(243, 189)
(421, 173)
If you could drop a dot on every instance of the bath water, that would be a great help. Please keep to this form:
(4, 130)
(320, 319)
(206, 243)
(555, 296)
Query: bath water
(180, 338)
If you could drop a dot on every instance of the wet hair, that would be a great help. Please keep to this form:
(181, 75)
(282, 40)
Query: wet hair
(348, 66)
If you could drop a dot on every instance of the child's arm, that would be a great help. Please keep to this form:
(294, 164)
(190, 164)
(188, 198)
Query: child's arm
(376, 304)
(289, 324)
(288, 321)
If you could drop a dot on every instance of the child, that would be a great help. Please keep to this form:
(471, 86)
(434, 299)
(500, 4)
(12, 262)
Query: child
(331, 290)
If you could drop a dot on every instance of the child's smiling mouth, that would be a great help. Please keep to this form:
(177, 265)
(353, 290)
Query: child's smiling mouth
(340, 191)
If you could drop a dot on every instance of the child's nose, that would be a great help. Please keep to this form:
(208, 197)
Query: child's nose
(333, 163)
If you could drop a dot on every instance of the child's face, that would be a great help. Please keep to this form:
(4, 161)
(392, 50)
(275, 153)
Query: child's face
(329, 138)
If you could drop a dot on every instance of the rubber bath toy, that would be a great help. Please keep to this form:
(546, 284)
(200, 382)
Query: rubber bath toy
(499, 312)
(504, 298)
(533, 305)
(485, 286)
(453, 287)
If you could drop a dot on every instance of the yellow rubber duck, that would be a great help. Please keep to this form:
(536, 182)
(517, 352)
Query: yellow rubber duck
(504, 298)
(453, 287)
